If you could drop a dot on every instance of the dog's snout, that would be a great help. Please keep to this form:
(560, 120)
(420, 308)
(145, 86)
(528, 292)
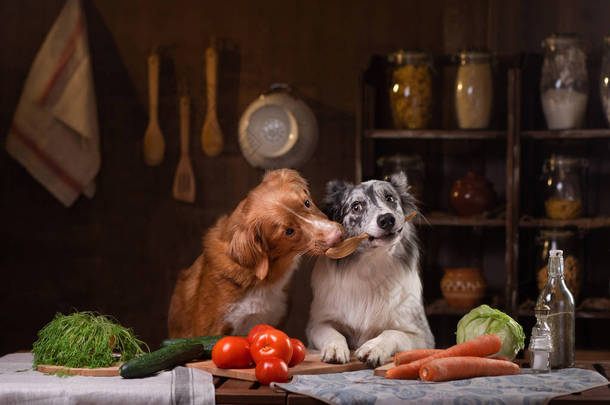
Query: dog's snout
(334, 237)
(386, 221)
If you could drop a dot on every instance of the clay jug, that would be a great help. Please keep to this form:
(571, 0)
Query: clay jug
(472, 195)
(463, 287)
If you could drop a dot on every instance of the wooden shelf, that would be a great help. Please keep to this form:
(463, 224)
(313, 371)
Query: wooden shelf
(432, 134)
(583, 223)
(568, 134)
(444, 219)
(441, 307)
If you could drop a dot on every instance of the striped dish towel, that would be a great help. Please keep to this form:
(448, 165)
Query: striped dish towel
(55, 133)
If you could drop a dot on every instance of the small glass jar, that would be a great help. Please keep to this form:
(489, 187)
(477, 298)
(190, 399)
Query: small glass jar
(560, 239)
(604, 85)
(411, 165)
(564, 84)
(474, 90)
(541, 344)
(411, 89)
(563, 180)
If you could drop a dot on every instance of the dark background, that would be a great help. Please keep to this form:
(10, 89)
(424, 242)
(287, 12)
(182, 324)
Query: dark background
(120, 252)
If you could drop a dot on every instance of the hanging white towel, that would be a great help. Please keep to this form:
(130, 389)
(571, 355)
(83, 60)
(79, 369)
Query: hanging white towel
(55, 133)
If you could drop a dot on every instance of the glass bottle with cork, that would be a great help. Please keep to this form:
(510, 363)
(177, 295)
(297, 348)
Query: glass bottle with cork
(560, 301)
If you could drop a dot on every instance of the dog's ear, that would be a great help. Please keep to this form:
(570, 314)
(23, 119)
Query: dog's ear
(336, 190)
(401, 184)
(248, 249)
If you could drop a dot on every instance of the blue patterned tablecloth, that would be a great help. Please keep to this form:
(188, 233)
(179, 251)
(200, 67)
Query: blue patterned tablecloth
(362, 387)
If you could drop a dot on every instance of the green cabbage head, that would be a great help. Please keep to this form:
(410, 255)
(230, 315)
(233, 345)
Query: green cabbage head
(484, 320)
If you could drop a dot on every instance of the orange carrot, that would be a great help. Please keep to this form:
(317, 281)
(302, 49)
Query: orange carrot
(481, 346)
(455, 368)
(411, 355)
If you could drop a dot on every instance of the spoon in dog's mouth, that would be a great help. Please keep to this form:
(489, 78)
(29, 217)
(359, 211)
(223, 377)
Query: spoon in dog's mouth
(349, 245)
(387, 236)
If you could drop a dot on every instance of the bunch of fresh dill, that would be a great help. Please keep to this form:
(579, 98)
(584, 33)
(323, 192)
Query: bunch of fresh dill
(85, 339)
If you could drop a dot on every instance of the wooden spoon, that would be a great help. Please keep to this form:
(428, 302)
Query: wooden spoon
(154, 145)
(184, 179)
(211, 135)
(347, 246)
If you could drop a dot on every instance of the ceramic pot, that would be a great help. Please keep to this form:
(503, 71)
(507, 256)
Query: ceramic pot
(472, 195)
(463, 287)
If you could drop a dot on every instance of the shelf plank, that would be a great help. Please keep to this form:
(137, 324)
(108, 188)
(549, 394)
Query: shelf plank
(432, 134)
(441, 307)
(443, 219)
(568, 134)
(583, 223)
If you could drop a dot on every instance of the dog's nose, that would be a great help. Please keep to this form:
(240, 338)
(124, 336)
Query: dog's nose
(334, 237)
(386, 221)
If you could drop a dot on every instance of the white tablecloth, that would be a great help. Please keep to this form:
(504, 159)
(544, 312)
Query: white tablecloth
(20, 384)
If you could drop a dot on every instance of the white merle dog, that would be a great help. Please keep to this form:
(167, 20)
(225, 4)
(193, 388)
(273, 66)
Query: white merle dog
(371, 300)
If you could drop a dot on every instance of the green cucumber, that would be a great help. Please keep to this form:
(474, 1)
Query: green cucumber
(173, 352)
(164, 358)
(208, 342)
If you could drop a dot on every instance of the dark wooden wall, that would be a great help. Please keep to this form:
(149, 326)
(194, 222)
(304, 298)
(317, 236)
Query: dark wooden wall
(120, 252)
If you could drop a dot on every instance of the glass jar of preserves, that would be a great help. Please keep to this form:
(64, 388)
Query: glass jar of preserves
(604, 84)
(564, 83)
(411, 89)
(560, 239)
(474, 90)
(411, 165)
(563, 181)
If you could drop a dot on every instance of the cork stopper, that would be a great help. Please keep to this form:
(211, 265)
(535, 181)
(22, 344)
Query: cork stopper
(556, 253)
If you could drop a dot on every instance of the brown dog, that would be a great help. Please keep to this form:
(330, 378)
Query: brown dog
(248, 258)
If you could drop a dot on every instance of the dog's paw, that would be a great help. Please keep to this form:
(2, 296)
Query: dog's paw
(373, 352)
(335, 353)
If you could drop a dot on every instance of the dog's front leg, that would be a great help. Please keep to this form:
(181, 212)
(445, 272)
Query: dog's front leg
(376, 351)
(333, 345)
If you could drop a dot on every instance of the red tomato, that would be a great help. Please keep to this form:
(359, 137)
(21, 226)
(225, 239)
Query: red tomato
(255, 330)
(232, 352)
(271, 343)
(298, 352)
(272, 370)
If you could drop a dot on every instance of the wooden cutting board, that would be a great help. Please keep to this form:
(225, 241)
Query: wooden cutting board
(311, 365)
(89, 372)
(381, 370)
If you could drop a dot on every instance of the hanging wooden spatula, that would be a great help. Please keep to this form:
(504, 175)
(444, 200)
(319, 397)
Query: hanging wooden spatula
(347, 246)
(184, 179)
(154, 145)
(211, 135)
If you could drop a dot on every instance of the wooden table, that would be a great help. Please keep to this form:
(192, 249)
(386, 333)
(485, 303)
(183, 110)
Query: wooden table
(230, 391)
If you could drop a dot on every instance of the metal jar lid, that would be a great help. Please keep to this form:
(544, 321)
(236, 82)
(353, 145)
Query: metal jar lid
(557, 40)
(402, 57)
(465, 57)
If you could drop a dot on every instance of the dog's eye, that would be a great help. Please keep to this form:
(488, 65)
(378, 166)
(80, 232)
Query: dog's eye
(307, 203)
(389, 198)
(289, 231)
(357, 206)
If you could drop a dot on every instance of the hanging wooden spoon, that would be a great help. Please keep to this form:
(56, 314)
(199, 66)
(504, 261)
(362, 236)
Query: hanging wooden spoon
(349, 245)
(211, 135)
(154, 145)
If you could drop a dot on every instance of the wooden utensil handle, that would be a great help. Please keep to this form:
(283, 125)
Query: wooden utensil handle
(185, 117)
(211, 72)
(153, 85)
